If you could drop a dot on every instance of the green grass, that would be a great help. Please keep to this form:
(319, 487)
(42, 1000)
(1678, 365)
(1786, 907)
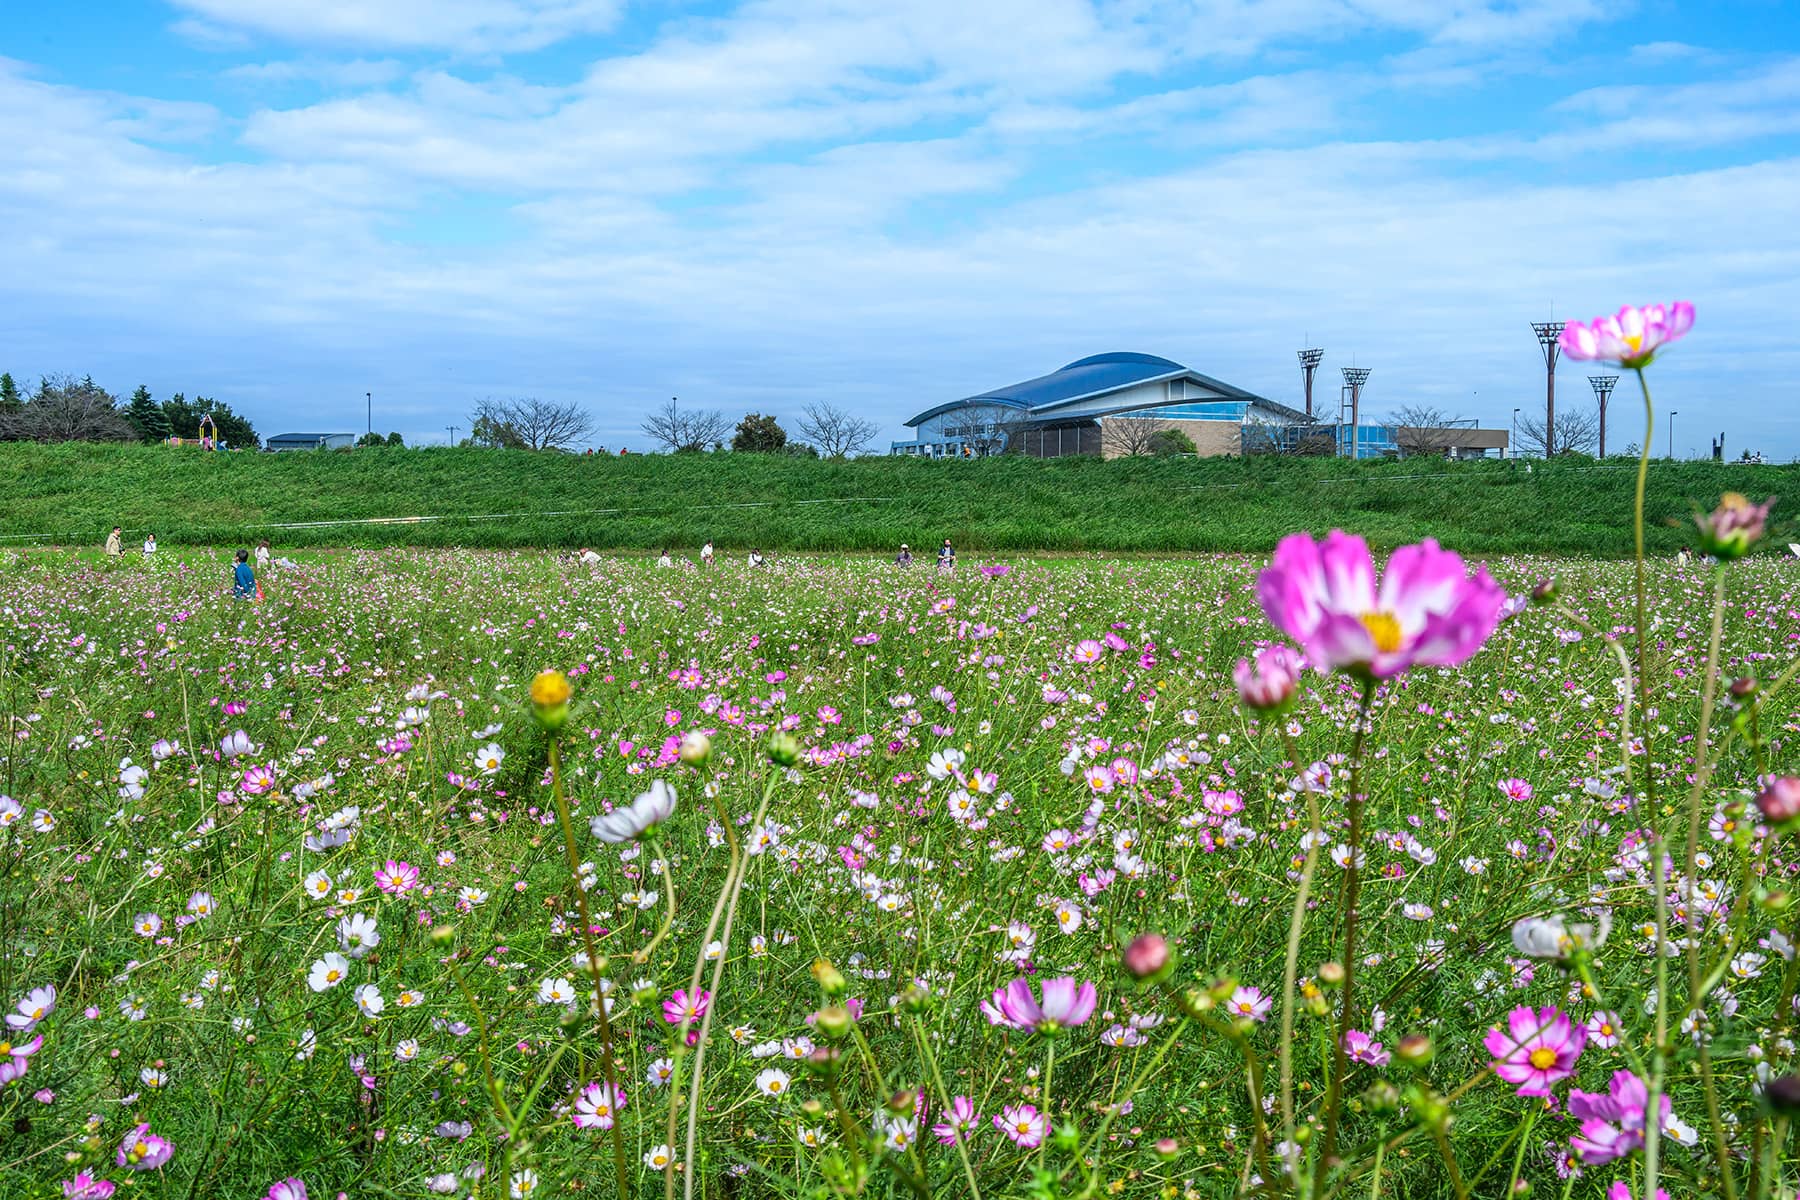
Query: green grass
(74, 493)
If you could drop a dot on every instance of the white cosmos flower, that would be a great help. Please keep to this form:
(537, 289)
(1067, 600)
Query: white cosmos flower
(489, 758)
(1554, 937)
(368, 998)
(328, 972)
(357, 935)
(646, 812)
(553, 990)
(772, 1082)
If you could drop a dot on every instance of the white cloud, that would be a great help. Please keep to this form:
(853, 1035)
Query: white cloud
(463, 25)
(351, 74)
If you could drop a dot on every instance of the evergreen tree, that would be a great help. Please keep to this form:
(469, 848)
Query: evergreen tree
(9, 393)
(394, 439)
(146, 416)
(371, 439)
(759, 434)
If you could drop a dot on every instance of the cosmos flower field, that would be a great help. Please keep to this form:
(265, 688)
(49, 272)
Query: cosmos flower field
(288, 908)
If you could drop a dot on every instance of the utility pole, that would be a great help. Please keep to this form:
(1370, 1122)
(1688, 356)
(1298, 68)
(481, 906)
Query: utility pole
(453, 429)
(1603, 386)
(369, 417)
(1354, 378)
(1548, 333)
(1672, 415)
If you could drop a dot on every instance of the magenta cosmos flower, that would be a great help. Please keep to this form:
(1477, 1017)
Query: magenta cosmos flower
(1631, 338)
(144, 1151)
(85, 1187)
(1066, 1003)
(1269, 683)
(678, 1008)
(1024, 1125)
(1537, 1048)
(1427, 610)
(396, 878)
(1612, 1125)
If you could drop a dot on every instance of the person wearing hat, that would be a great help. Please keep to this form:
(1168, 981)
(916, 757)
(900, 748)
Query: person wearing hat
(904, 558)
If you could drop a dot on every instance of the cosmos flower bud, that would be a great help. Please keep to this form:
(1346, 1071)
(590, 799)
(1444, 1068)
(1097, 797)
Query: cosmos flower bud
(834, 1021)
(1331, 974)
(784, 749)
(550, 693)
(696, 748)
(914, 999)
(903, 1103)
(831, 980)
(1743, 687)
(1544, 591)
(1268, 686)
(1149, 957)
(1779, 803)
(443, 936)
(825, 1060)
(1381, 1097)
(1415, 1048)
(1733, 528)
(1166, 1148)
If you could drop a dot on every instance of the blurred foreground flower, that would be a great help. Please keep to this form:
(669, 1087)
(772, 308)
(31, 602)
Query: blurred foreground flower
(1428, 611)
(1554, 937)
(636, 819)
(1733, 528)
(1269, 684)
(1632, 337)
(1065, 1004)
(550, 693)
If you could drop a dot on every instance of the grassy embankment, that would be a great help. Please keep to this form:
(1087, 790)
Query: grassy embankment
(74, 493)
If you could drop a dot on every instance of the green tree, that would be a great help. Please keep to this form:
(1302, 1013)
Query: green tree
(371, 439)
(1167, 443)
(757, 434)
(146, 416)
(9, 393)
(495, 434)
(394, 439)
(184, 420)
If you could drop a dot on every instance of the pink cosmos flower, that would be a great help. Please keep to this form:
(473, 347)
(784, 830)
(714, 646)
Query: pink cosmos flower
(1603, 1029)
(1730, 530)
(1516, 789)
(1065, 1004)
(958, 1121)
(396, 878)
(1620, 1190)
(1270, 683)
(677, 1008)
(287, 1189)
(257, 780)
(1427, 611)
(86, 1187)
(1612, 1125)
(144, 1151)
(1248, 1003)
(1024, 1124)
(1364, 1049)
(16, 1058)
(1088, 650)
(597, 1106)
(1537, 1048)
(1631, 338)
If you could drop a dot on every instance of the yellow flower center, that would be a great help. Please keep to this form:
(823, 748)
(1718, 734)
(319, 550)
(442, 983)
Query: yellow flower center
(1634, 340)
(5, 1048)
(550, 688)
(1543, 1058)
(1384, 627)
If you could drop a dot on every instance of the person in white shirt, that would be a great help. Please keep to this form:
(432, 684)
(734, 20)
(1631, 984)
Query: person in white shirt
(706, 554)
(756, 558)
(149, 545)
(262, 555)
(587, 557)
(665, 560)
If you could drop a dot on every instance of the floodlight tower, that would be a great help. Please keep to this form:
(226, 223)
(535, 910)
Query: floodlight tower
(1354, 378)
(1309, 362)
(1548, 333)
(1603, 386)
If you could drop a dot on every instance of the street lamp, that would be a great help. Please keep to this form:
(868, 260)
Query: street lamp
(1672, 435)
(1513, 437)
(369, 417)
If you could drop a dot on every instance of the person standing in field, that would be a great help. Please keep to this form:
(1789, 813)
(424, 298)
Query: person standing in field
(243, 579)
(946, 556)
(904, 558)
(262, 555)
(706, 554)
(115, 545)
(149, 544)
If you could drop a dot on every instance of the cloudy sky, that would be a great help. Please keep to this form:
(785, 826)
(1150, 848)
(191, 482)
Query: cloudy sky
(890, 203)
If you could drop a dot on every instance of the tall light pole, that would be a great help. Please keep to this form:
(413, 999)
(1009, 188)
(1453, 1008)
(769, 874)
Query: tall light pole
(1548, 333)
(453, 429)
(369, 416)
(1512, 439)
(1354, 378)
(1672, 415)
(1309, 362)
(1603, 386)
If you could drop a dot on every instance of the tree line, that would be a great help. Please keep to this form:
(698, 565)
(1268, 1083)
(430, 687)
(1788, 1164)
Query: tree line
(534, 424)
(63, 408)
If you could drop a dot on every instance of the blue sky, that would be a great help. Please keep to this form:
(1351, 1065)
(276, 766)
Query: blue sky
(890, 203)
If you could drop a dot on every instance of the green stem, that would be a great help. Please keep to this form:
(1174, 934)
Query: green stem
(1659, 871)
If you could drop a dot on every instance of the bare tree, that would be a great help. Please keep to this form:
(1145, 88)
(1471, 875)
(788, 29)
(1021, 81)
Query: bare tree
(1288, 439)
(675, 428)
(1425, 429)
(834, 431)
(1577, 429)
(66, 409)
(538, 424)
(1129, 437)
(986, 429)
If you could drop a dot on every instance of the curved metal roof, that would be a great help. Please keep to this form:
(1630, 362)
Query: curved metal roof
(1095, 375)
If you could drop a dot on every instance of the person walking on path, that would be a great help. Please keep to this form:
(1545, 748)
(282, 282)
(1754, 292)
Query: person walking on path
(115, 543)
(243, 579)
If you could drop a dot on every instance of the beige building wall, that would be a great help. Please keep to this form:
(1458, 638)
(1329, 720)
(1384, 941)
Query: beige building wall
(1211, 438)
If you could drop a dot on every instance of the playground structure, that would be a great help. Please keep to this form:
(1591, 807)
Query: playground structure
(208, 439)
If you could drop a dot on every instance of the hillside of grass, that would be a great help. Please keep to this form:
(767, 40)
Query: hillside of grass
(74, 493)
